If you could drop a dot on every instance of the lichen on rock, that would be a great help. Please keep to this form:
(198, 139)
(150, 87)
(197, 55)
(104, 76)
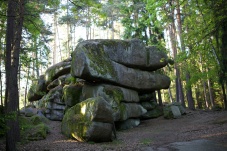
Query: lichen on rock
(87, 120)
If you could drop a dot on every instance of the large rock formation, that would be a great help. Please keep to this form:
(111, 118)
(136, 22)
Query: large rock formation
(123, 63)
(111, 85)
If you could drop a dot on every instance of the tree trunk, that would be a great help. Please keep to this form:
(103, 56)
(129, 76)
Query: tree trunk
(112, 26)
(159, 98)
(68, 31)
(191, 102)
(211, 93)
(224, 55)
(225, 100)
(181, 93)
(224, 95)
(155, 98)
(1, 88)
(205, 95)
(26, 88)
(87, 23)
(37, 63)
(179, 90)
(198, 94)
(170, 95)
(1, 56)
(173, 41)
(15, 16)
(55, 38)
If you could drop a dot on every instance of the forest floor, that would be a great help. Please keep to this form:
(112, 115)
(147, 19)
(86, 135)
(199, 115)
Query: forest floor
(150, 135)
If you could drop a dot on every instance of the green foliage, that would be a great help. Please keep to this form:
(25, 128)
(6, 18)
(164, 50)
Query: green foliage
(3, 119)
(33, 128)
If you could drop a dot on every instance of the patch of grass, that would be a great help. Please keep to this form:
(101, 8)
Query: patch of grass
(146, 141)
(112, 145)
(91, 142)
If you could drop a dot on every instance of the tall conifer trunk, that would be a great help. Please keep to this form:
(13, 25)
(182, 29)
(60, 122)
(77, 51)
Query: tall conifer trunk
(191, 103)
(15, 14)
(179, 90)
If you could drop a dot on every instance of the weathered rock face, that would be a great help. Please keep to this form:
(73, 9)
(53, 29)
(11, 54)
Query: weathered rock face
(174, 110)
(120, 62)
(72, 94)
(127, 124)
(131, 53)
(112, 82)
(124, 102)
(116, 93)
(90, 120)
(37, 90)
(53, 103)
(57, 70)
(52, 99)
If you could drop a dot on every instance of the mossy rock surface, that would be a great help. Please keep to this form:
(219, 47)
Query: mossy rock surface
(131, 53)
(36, 119)
(38, 132)
(72, 94)
(149, 105)
(154, 113)
(114, 95)
(54, 95)
(87, 120)
(130, 110)
(57, 70)
(181, 108)
(171, 111)
(110, 93)
(147, 97)
(123, 72)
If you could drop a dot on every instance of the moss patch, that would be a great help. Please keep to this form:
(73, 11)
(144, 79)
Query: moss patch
(32, 128)
(72, 94)
(123, 112)
(99, 61)
(115, 93)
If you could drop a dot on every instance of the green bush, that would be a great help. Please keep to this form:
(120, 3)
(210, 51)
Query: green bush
(3, 118)
(33, 128)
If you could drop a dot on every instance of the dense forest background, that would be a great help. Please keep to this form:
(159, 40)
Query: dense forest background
(192, 33)
(35, 34)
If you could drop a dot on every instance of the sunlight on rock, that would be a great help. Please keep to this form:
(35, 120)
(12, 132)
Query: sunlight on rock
(83, 109)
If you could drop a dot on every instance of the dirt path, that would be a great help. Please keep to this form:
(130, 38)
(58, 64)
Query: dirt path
(154, 132)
